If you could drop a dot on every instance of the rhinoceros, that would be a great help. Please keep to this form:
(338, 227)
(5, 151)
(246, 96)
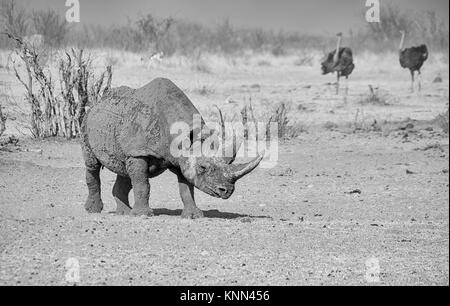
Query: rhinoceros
(128, 132)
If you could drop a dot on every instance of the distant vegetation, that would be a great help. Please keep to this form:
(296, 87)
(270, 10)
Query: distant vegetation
(176, 36)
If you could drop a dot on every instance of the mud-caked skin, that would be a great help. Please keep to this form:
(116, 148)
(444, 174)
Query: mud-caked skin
(128, 132)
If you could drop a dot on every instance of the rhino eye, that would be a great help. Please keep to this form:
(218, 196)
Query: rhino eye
(202, 169)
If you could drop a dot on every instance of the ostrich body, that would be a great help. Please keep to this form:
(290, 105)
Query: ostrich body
(413, 59)
(339, 61)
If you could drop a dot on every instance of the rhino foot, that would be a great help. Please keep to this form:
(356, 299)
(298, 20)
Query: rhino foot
(122, 209)
(192, 213)
(137, 212)
(93, 206)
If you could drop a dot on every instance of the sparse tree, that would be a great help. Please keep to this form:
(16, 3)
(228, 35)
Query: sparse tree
(53, 114)
(51, 25)
(2, 121)
(153, 31)
(13, 19)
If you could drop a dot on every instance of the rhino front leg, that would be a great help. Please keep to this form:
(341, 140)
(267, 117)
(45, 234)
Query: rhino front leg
(120, 192)
(190, 211)
(137, 169)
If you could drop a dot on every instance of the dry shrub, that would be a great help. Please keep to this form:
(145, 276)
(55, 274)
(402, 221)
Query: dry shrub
(304, 60)
(14, 19)
(264, 63)
(361, 123)
(52, 26)
(330, 126)
(178, 36)
(204, 90)
(279, 116)
(248, 115)
(2, 121)
(53, 114)
(378, 97)
(443, 121)
(201, 66)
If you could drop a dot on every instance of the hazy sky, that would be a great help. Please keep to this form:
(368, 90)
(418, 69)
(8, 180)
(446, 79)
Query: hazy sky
(319, 16)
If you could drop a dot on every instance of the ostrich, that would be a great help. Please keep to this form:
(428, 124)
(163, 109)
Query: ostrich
(413, 59)
(339, 61)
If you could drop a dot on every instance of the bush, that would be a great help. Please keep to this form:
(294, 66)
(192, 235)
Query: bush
(53, 114)
(51, 26)
(171, 36)
(443, 121)
(377, 97)
(2, 121)
(13, 19)
(421, 28)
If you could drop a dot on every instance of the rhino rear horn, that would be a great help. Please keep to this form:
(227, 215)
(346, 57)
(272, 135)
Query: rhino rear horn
(234, 146)
(235, 149)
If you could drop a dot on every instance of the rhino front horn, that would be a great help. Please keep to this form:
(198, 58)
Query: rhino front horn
(240, 170)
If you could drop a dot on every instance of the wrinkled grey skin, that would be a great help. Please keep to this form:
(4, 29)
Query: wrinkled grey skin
(128, 132)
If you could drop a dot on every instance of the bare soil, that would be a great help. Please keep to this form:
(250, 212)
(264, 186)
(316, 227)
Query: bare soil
(346, 198)
(349, 191)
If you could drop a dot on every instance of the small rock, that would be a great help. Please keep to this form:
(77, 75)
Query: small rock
(356, 191)
(246, 220)
(438, 79)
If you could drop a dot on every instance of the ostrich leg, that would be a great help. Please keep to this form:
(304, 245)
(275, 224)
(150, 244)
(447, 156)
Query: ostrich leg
(346, 85)
(337, 83)
(420, 80)
(412, 80)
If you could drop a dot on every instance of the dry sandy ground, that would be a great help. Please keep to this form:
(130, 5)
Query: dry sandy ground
(336, 202)
(300, 229)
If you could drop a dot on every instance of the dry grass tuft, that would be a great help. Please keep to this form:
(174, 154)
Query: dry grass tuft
(443, 122)
(204, 90)
(377, 97)
(2, 121)
(58, 110)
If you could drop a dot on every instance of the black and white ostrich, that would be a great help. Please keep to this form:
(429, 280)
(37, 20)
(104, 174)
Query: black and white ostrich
(413, 59)
(339, 61)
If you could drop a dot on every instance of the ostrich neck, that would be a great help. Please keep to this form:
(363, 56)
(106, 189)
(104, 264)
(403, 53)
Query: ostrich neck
(338, 47)
(402, 42)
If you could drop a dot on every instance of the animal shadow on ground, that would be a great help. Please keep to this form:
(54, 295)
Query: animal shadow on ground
(212, 214)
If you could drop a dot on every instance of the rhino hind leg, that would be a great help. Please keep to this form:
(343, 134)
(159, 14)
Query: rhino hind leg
(137, 169)
(121, 190)
(190, 211)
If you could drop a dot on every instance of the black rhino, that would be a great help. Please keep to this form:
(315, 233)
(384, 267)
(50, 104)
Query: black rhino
(128, 132)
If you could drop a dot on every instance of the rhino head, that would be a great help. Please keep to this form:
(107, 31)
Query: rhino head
(217, 176)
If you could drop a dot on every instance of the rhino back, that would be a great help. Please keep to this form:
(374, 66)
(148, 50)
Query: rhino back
(147, 129)
(136, 122)
(169, 98)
